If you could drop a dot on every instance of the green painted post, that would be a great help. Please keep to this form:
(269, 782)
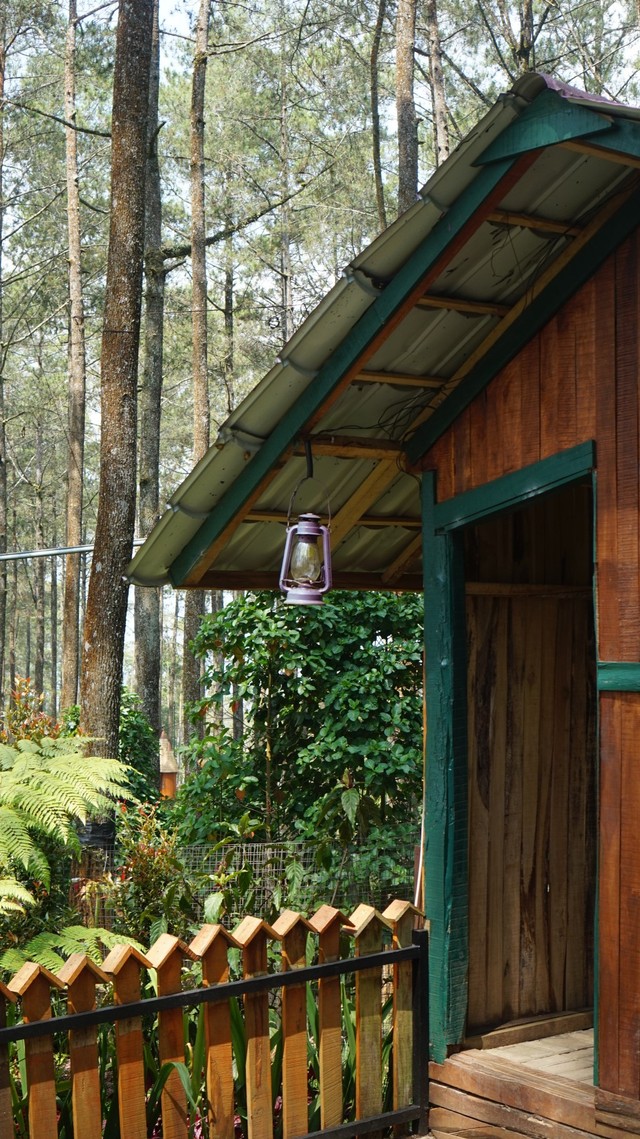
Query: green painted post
(446, 855)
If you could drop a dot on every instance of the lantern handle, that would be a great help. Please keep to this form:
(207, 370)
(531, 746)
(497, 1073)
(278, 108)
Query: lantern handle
(305, 478)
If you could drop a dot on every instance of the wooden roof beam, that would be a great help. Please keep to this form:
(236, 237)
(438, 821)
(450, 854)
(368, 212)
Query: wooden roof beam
(534, 221)
(405, 558)
(425, 433)
(402, 378)
(349, 447)
(248, 579)
(460, 304)
(367, 493)
(372, 521)
(583, 146)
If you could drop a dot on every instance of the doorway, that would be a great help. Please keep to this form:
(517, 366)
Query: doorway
(532, 759)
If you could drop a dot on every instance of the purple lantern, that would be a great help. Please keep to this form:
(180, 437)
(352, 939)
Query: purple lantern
(306, 564)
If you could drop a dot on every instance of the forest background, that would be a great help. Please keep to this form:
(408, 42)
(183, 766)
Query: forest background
(281, 137)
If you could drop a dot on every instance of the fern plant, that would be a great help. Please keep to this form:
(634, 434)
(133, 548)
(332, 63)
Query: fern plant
(46, 787)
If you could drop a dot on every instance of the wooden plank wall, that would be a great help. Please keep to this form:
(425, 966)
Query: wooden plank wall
(532, 826)
(578, 380)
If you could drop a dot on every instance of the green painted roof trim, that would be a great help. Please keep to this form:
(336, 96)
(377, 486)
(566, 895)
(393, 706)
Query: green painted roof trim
(340, 361)
(618, 676)
(532, 319)
(547, 121)
(513, 489)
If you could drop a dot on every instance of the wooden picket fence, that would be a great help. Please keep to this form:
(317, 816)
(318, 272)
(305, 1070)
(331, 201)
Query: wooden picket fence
(403, 969)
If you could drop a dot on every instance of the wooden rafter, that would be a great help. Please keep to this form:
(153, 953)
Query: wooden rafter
(372, 521)
(545, 279)
(409, 554)
(350, 447)
(367, 493)
(581, 146)
(459, 304)
(250, 579)
(402, 378)
(534, 221)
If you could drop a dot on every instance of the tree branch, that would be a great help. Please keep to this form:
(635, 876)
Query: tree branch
(58, 119)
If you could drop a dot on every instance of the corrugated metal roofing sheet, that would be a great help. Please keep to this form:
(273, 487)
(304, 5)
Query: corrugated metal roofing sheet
(358, 390)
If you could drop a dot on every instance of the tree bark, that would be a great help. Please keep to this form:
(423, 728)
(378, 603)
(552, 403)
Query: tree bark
(38, 569)
(77, 384)
(436, 79)
(148, 601)
(375, 115)
(405, 105)
(3, 442)
(195, 600)
(103, 639)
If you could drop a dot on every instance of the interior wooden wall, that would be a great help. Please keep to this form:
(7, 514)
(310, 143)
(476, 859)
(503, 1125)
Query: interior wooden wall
(578, 380)
(532, 762)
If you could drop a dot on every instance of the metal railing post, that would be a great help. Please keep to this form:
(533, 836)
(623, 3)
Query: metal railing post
(421, 1030)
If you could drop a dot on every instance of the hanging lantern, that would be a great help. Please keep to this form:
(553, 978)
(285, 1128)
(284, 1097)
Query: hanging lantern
(306, 564)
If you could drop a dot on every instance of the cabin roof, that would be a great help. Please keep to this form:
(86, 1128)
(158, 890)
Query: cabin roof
(523, 211)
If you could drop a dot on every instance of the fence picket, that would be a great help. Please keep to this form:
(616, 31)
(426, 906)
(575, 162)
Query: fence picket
(211, 944)
(293, 929)
(402, 916)
(327, 922)
(252, 934)
(166, 956)
(369, 926)
(33, 984)
(80, 975)
(123, 965)
(6, 1111)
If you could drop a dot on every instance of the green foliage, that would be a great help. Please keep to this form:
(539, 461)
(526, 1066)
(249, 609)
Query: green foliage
(139, 748)
(331, 741)
(150, 891)
(46, 787)
(24, 718)
(138, 745)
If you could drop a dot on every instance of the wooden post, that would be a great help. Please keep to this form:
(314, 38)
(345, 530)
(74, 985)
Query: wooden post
(211, 945)
(402, 917)
(252, 934)
(80, 975)
(6, 1108)
(33, 983)
(123, 965)
(165, 956)
(293, 929)
(369, 926)
(327, 922)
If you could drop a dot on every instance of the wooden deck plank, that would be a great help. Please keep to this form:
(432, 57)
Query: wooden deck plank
(501, 1081)
(453, 1107)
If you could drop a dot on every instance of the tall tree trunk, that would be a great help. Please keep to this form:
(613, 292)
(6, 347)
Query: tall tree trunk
(39, 567)
(53, 601)
(436, 80)
(195, 600)
(103, 639)
(13, 615)
(375, 115)
(286, 275)
(3, 356)
(148, 601)
(77, 383)
(405, 105)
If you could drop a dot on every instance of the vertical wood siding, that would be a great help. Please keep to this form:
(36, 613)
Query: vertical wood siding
(578, 380)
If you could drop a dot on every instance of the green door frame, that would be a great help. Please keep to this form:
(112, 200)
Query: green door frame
(446, 838)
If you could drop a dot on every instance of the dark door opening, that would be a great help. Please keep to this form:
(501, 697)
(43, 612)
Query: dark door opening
(532, 760)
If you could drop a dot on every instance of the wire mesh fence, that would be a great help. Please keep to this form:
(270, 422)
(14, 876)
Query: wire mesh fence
(269, 876)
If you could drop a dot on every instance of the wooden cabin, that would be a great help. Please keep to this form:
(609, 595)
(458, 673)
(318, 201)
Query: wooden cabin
(488, 345)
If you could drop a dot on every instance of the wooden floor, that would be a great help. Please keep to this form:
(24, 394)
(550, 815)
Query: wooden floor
(541, 1089)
